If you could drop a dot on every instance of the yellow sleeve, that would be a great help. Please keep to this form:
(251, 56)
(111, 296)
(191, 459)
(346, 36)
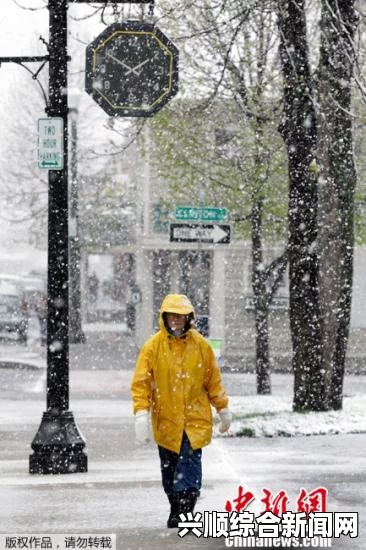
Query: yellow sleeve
(142, 379)
(214, 386)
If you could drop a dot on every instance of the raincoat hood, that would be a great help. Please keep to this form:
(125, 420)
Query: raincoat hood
(176, 303)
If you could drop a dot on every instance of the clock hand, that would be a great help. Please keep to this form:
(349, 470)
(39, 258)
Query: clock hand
(120, 62)
(137, 67)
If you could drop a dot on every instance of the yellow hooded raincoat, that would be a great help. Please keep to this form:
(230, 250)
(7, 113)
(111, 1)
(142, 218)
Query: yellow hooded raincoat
(177, 380)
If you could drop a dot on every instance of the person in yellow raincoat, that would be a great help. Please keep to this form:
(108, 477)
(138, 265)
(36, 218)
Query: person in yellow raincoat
(175, 382)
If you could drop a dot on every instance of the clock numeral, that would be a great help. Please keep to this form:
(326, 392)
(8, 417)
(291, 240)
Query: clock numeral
(131, 98)
(111, 50)
(107, 84)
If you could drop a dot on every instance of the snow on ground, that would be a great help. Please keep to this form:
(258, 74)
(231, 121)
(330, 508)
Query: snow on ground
(271, 416)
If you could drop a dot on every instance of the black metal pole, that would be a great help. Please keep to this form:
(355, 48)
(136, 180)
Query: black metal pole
(58, 445)
(76, 334)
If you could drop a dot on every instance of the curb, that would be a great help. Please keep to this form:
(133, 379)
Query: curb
(21, 363)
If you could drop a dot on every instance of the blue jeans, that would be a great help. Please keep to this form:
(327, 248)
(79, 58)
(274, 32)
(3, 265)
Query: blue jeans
(181, 473)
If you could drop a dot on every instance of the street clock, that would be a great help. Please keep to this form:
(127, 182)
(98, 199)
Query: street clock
(131, 69)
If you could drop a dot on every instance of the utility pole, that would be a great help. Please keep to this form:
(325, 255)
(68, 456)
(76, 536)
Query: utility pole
(58, 446)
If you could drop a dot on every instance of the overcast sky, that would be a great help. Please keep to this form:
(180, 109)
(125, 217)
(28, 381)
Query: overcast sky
(20, 30)
(18, 25)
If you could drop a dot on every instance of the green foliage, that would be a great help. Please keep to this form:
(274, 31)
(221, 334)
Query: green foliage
(209, 157)
(217, 143)
(246, 432)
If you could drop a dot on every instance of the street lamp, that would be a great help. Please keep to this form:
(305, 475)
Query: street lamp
(76, 334)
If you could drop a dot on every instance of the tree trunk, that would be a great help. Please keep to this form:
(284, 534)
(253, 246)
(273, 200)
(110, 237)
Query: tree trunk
(299, 133)
(337, 180)
(260, 301)
(263, 368)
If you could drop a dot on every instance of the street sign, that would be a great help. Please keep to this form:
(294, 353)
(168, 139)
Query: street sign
(131, 69)
(209, 214)
(51, 143)
(199, 233)
(135, 296)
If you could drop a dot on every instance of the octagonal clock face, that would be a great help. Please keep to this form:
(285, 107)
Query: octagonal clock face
(131, 69)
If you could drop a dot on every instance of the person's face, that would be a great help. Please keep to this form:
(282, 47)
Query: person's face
(176, 321)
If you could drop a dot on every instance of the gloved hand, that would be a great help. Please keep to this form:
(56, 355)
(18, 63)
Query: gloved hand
(142, 427)
(225, 418)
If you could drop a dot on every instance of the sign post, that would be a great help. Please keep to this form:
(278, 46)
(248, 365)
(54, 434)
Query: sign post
(58, 446)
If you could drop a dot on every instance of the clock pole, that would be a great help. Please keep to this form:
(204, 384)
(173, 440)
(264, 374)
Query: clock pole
(58, 446)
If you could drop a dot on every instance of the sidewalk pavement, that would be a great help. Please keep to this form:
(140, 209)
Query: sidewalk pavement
(107, 346)
(121, 492)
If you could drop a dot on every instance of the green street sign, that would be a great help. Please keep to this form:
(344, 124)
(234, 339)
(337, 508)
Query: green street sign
(202, 214)
(50, 143)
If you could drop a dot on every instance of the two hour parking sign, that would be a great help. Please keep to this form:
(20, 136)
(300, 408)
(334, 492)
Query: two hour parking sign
(50, 143)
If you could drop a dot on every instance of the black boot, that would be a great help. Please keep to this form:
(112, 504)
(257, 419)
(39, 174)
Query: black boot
(187, 502)
(173, 518)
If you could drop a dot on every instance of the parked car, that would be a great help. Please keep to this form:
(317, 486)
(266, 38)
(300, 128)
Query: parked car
(13, 314)
(33, 291)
